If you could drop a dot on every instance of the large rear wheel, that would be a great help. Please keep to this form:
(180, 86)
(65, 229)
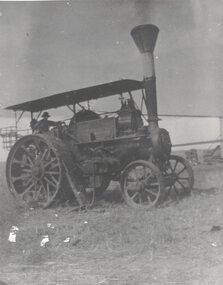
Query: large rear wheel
(34, 171)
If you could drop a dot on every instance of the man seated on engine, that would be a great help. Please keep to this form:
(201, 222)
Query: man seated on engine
(45, 124)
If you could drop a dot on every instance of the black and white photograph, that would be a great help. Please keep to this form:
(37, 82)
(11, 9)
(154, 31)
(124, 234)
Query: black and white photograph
(111, 142)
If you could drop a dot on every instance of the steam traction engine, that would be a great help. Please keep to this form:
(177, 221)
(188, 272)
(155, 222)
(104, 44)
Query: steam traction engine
(81, 157)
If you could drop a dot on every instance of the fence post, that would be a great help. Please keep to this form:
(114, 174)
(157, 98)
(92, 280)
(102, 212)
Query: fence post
(221, 135)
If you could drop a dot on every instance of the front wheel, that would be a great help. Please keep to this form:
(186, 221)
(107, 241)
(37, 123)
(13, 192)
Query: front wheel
(142, 184)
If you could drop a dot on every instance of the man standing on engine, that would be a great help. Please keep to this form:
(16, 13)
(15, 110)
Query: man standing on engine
(45, 124)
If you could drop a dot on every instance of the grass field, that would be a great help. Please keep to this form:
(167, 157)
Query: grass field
(179, 242)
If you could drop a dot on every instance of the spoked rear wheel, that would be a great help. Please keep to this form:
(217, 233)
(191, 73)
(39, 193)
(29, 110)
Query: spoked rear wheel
(142, 184)
(33, 171)
(178, 175)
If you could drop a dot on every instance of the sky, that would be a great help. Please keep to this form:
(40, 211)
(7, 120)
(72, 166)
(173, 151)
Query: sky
(50, 47)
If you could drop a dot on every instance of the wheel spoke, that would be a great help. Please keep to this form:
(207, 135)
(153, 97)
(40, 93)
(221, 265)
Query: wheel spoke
(30, 160)
(25, 170)
(47, 189)
(168, 191)
(151, 192)
(27, 190)
(20, 162)
(21, 177)
(175, 166)
(148, 199)
(171, 169)
(29, 180)
(144, 172)
(134, 195)
(181, 185)
(140, 198)
(44, 154)
(54, 166)
(37, 192)
(54, 179)
(52, 172)
(147, 179)
(50, 182)
(175, 189)
(154, 184)
(26, 151)
(50, 162)
(178, 173)
(183, 178)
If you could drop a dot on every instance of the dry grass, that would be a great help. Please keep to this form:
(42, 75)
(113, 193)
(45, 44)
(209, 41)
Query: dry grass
(113, 244)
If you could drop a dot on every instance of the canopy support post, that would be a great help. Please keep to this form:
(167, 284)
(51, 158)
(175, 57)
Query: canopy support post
(16, 126)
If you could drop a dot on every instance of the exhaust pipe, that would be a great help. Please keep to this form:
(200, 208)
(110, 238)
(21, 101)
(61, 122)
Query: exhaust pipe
(145, 39)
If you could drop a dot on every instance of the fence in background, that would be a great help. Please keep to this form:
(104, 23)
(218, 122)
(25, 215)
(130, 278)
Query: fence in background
(10, 135)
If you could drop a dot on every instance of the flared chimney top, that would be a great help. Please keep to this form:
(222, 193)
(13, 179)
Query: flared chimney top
(145, 37)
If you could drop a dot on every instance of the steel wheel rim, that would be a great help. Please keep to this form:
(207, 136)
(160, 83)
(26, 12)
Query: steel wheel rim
(142, 190)
(34, 171)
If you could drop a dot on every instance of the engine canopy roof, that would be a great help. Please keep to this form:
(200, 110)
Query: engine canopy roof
(78, 96)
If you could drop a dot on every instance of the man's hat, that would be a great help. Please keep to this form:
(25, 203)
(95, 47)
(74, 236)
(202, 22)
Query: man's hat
(45, 115)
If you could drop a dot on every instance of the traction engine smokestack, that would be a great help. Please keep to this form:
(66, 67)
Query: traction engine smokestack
(145, 39)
